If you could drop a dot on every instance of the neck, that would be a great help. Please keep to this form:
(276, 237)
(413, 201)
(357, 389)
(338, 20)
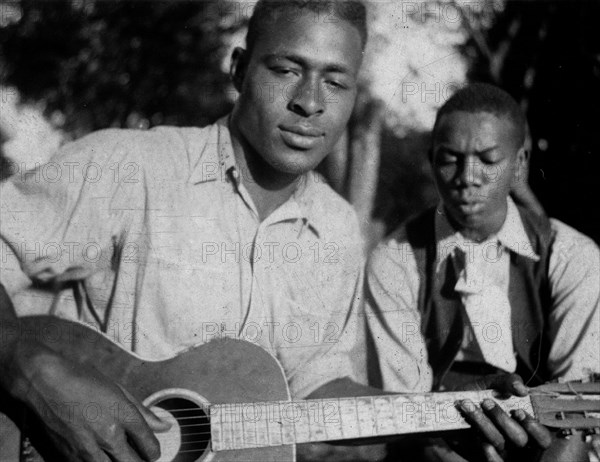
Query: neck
(476, 235)
(336, 419)
(268, 187)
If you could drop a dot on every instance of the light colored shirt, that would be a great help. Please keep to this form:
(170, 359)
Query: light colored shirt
(483, 274)
(165, 249)
(482, 282)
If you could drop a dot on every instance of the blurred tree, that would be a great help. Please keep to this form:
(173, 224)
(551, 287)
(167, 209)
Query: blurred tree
(98, 64)
(547, 55)
(412, 66)
(94, 64)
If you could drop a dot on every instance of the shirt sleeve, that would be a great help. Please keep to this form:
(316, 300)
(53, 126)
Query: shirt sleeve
(392, 283)
(574, 275)
(62, 220)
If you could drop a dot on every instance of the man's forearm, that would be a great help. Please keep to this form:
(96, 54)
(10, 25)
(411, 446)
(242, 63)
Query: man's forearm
(342, 388)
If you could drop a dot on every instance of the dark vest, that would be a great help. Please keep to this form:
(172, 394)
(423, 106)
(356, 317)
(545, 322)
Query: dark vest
(529, 297)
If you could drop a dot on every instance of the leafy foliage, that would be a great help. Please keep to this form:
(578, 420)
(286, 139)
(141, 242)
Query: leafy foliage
(99, 64)
(547, 55)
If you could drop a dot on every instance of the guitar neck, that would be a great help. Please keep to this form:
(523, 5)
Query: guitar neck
(250, 425)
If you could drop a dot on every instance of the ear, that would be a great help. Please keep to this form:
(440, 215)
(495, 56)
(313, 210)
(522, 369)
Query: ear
(237, 70)
(522, 164)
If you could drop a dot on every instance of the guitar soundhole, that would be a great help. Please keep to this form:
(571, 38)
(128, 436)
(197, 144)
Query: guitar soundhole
(193, 428)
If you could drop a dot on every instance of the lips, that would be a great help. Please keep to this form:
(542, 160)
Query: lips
(469, 208)
(304, 130)
(301, 136)
(468, 203)
(469, 200)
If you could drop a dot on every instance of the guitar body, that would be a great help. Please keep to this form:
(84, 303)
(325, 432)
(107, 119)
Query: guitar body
(202, 386)
(221, 371)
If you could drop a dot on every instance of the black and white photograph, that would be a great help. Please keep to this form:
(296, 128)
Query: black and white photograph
(299, 230)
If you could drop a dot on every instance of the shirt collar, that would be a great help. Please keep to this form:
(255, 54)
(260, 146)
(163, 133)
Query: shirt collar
(301, 207)
(227, 161)
(211, 164)
(309, 200)
(511, 235)
(304, 206)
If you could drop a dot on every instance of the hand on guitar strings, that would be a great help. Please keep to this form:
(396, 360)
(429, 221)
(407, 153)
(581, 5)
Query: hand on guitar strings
(594, 451)
(86, 417)
(499, 431)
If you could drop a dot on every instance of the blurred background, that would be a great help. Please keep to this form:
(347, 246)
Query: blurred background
(71, 67)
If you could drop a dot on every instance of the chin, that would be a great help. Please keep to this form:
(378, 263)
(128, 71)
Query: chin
(295, 169)
(468, 220)
(297, 163)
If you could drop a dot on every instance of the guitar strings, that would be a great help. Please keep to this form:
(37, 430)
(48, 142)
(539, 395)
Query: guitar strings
(534, 392)
(205, 414)
(575, 392)
(266, 403)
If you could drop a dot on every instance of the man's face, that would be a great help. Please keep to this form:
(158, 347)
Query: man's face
(475, 158)
(297, 90)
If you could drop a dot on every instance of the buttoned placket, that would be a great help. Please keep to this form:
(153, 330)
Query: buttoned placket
(248, 223)
(253, 266)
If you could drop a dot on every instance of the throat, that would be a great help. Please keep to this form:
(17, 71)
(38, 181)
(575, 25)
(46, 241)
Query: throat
(475, 235)
(268, 186)
(267, 200)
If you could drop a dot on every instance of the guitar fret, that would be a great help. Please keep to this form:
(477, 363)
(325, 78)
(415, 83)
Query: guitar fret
(227, 431)
(332, 419)
(274, 424)
(216, 432)
(447, 416)
(424, 411)
(427, 410)
(237, 428)
(296, 413)
(262, 430)
(249, 418)
(315, 418)
(395, 416)
(405, 414)
(349, 418)
(366, 420)
(384, 415)
(288, 434)
(374, 414)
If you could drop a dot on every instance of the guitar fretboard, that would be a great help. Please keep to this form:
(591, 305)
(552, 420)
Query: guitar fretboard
(248, 425)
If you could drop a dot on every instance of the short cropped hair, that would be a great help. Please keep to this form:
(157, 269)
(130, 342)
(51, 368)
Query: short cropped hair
(268, 11)
(483, 97)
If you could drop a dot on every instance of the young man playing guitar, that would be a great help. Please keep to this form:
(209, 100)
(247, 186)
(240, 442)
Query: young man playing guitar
(493, 287)
(220, 231)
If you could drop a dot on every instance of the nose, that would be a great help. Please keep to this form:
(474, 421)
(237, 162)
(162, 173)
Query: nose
(471, 173)
(307, 99)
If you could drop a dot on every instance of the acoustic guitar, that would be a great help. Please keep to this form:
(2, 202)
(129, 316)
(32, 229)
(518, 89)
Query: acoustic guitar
(228, 400)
